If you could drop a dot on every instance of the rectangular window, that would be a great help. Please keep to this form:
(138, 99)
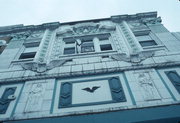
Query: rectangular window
(147, 43)
(145, 40)
(69, 40)
(69, 50)
(86, 44)
(29, 51)
(105, 47)
(27, 55)
(87, 47)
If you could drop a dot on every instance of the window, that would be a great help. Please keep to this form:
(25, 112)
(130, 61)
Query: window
(69, 50)
(29, 51)
(27, 55)
(87, 44)
(174, 78)
(106, 47)
(147, 43)
(146, 40)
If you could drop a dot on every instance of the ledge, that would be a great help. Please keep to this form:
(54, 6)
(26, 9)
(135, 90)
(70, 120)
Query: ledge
(45, 75)
(53, 25)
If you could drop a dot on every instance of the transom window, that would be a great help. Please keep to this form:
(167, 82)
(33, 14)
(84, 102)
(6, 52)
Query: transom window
(87, 44)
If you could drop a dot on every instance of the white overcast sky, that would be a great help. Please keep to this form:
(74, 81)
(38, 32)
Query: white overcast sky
(34, 12)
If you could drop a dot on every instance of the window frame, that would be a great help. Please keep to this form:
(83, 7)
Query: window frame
(159, 45)
(87, 38)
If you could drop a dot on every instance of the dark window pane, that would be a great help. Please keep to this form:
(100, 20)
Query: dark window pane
(69, 40)
(147, 43)
(87, 47)
(69, 50)
(27, 55)
(105, 47)
(30, 44)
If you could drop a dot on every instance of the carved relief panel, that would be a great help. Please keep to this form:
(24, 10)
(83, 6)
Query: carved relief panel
(35, 97)
(8, 98)
(146, 85)
(36, 34)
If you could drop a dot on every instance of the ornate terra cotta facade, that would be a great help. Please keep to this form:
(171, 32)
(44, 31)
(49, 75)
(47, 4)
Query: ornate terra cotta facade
(125, 68)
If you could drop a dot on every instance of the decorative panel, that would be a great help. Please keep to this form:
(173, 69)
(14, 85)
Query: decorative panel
(147, 87)
(116, 90)
(65, 95)
(6, 99)
(35, 97)
(174, 78)
(91, 92)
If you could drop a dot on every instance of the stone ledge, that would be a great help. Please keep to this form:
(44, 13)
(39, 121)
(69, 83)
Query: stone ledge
(80, 73)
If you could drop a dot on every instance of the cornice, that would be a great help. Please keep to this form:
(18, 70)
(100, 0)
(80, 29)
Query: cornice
(126, 17)
(53, 25)
(21, 28)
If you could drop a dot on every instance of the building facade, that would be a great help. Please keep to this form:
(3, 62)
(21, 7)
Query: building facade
(125, 68)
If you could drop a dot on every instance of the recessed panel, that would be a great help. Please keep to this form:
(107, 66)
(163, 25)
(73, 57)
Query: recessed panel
(89, 92)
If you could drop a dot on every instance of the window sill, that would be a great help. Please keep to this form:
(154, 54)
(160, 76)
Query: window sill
(23, 60)
(154, 47)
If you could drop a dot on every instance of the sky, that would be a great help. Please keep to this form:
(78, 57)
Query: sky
(35, 12)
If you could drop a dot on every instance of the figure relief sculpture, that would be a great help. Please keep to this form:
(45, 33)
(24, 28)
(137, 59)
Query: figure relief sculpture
(35, 98)
(147, 87)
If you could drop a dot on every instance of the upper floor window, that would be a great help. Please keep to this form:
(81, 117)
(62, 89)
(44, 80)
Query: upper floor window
(146, 40)
(87, 44)
(29, 51)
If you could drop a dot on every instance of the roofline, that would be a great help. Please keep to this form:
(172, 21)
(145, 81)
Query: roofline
(52, 25)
